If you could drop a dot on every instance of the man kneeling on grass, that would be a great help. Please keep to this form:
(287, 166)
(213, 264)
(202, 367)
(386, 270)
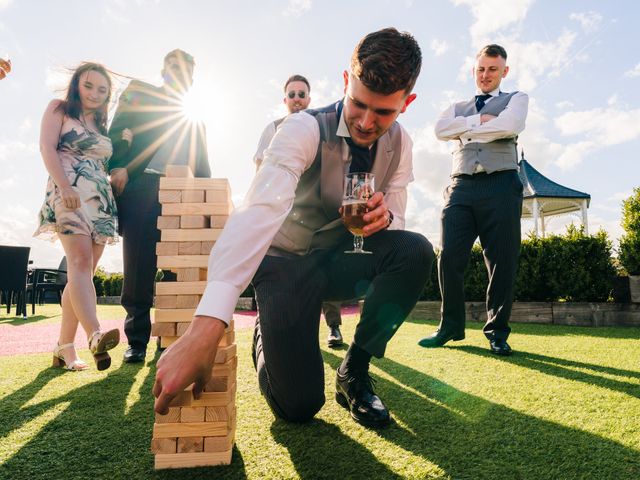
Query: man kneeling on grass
(289, 240)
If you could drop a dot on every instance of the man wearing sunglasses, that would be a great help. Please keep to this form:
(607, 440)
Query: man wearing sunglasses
(296, 98)
(289, 240)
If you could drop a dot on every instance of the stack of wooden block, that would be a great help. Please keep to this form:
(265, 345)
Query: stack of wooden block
(195, 432)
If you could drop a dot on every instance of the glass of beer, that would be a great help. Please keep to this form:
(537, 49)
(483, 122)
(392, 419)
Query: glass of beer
(358, 188)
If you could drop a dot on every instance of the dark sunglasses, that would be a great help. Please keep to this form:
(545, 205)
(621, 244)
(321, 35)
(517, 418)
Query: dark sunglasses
(292, 94)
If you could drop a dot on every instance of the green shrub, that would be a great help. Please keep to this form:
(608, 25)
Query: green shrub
(107, 284)
(629, 250)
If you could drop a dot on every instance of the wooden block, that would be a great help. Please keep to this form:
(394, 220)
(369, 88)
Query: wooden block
(190, 444)
(214, 399)
(219, 444)
(183, 261)
(189, 248)
(205, 248)
(225, 369)
(191, 235)
(219, 414)
(183, 399)
(184, 460)
(218, 384)
(218, 196)
(218, 221)
(175, 315)
(178, 171)
(168, 222)
(169, 196)
(194, 221)
(224, 354)
(166, 301)
(166, 445)
(168, 248)
(191, 274)
(188, 301)
(192, 414)
(196, 209)
(166, 341)
(167, 183)
(206, 429)
(193, 196)
(163, 330)
(172, 417)
(180, 288)
(227, 339)
(181, 328)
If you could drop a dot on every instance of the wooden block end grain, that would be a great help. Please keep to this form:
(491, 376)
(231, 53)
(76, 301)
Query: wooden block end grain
(165, 445)
(185, 460)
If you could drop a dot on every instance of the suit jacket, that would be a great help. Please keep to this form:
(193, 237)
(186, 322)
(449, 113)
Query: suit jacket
(150, 114)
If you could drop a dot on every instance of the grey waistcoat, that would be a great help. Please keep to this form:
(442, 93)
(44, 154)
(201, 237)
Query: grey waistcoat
(497, 155)
(314, 221)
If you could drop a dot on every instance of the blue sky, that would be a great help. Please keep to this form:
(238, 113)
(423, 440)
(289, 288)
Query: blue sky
(578, 61)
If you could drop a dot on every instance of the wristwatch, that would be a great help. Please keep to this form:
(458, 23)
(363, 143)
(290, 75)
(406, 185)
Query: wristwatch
(390, 218)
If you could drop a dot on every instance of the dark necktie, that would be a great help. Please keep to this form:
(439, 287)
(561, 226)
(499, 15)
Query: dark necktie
(480, 99)
(361, 157)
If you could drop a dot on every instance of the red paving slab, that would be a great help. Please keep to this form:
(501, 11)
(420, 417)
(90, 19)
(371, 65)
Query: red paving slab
(34, 338)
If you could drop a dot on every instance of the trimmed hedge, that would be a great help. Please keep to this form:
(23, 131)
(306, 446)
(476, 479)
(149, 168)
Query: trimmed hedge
(107, 284)
(569, 267)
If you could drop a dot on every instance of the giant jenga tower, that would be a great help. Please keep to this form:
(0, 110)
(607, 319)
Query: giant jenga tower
(195, 432)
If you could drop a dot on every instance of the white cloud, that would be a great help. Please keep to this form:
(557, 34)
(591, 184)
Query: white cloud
(5, 4)
(564, 104)
(493, 15)
(297, 8)
(56, 80)
(612, 100)
(590, 21)
(634, 72)
(439, 47)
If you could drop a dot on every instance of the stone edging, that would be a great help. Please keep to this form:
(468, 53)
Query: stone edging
(581, 314)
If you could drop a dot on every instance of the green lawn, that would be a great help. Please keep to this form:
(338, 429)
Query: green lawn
(565, 406)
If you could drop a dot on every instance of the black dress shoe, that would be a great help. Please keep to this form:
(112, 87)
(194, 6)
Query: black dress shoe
(134, 355)
(439, 338)
(500, 346)
(334, 339)
(355, 393)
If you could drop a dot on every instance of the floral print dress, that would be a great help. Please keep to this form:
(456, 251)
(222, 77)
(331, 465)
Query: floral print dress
(83, 154)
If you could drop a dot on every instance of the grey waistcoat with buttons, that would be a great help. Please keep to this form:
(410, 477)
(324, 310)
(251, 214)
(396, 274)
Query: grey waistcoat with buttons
(493, 156)
(314, 221)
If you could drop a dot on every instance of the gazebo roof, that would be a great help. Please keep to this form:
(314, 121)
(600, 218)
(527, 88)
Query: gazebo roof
(537, 185)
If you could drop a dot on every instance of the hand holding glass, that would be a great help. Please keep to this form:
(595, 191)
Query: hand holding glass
(358, 188)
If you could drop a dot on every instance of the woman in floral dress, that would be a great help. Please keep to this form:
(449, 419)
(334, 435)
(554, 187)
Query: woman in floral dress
(79, 207)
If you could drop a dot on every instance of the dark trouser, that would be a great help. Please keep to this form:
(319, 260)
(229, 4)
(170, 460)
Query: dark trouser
(138, 211)
(290, 292)
(331, 312)
(486, 206)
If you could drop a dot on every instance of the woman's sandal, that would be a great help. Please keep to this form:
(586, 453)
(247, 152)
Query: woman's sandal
(100, 343)
(59, 360)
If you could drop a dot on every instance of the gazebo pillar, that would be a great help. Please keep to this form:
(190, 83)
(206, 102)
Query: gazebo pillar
(585, 221)
(534, 208)
(542, 230)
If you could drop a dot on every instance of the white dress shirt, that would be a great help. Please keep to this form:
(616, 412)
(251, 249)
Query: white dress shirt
(265, 139)
(250, 229)
(509, 123)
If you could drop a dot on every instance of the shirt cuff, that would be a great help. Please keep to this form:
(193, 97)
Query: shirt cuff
(219, 301)
(473, 121)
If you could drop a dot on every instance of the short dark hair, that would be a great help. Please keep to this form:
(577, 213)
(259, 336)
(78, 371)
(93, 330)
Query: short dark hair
(493, 50)
(180, 53)
(387, 61)
(296, 78)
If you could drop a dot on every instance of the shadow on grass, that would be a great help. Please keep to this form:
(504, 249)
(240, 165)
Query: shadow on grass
(19, 320)
(100, 434)
(472, 438)
(539, 329)
(560, 367)
(320, 450)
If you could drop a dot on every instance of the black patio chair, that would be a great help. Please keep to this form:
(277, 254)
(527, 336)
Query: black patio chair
(13, 277)
(45, 280)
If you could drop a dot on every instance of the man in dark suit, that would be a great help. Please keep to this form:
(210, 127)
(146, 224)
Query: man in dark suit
(162, 135)
(483, 201)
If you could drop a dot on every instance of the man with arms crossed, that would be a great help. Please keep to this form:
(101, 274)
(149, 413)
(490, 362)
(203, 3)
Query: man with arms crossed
(292, 210)
(484, 200)
(296, 99)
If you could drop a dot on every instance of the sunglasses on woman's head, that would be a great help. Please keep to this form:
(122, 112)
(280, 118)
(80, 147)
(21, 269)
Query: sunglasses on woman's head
(292, 94)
